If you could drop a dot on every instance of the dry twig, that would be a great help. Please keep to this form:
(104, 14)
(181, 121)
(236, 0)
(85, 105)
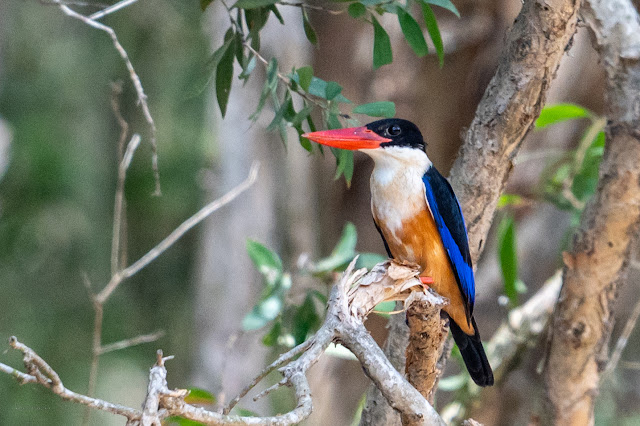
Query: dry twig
(142, 97)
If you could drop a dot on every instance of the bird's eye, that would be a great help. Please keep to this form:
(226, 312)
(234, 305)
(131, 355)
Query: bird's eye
(394, 130)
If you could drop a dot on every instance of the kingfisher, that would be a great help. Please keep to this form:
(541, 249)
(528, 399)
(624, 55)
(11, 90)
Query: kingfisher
(419, 218)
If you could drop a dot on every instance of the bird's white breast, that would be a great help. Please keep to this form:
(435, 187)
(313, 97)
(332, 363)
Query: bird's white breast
(397, 190)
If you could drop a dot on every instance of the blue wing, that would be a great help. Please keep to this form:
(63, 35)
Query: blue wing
(448, 217)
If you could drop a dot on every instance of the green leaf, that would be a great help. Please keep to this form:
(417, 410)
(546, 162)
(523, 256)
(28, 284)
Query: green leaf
(369, 260)
(560, 112)
(509, 200)
(585, 181)
(345, 165)
(452, 383)
(508, 257)
(332, 90)
(343, 253)
(247, 69)
(434, 31)
(308, 28)
(356, 10)
(271, 338)
(224, 77)
(305, 74)
(376, 109)
(323, 299)
(306, 320)
(280, 113)
(412, 33)
(373, 2)
(251, 4)
(199, 396)
(267, 262)
(300, 116)
(273, 8)
(270, 86)
(203, 80)
(205, 3)
(262, 313)
(382, 54)
(181, 421)
(318, 87)
(383, 308)
(445, 4)
(246, 413)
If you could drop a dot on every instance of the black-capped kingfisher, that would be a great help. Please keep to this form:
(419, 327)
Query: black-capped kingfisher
(420, 221)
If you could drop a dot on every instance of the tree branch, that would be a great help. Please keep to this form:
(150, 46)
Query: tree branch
(541, 34)
(352, 298)
(598, 261)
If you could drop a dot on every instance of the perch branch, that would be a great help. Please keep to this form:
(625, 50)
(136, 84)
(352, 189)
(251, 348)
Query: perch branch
(428, 332)
(599, 258)
(352, 298)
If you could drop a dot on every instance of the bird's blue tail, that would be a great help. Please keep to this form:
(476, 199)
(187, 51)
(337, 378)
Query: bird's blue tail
(473, 354)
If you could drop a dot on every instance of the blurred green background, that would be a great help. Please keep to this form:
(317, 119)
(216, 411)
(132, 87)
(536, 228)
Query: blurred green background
(57, 194)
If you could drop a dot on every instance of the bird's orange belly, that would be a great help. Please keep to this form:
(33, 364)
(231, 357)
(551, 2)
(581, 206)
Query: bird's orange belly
(417, 240)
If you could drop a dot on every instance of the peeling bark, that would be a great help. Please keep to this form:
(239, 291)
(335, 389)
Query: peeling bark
(598, 261)
(428, 331)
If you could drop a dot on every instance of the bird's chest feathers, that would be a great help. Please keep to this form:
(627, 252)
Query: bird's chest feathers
(396, 196)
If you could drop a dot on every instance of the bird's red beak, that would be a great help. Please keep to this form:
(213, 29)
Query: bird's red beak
(352, 138)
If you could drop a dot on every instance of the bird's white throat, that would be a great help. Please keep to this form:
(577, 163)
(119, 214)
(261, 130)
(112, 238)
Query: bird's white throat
(397, 190)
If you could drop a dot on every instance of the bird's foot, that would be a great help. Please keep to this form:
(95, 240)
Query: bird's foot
(426, 281)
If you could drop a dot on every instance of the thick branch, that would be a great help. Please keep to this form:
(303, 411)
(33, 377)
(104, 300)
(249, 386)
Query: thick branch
(428, 331)
(599, 259)
(540, 35)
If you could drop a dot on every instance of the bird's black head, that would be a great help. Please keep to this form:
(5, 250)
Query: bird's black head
(391, 132)
(402, 133)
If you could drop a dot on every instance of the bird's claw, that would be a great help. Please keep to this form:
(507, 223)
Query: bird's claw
(426, 281)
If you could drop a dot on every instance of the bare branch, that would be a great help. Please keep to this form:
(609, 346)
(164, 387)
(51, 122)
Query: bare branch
(124, 344)
(142, 97)
(343, 323)
(113, 8)
(34, 363)
(185, 226)
(282, 359)
(428, 332)
(118, 208)
(541, 34)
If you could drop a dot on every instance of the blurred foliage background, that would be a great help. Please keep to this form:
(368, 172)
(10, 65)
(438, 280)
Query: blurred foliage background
(59, 147)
